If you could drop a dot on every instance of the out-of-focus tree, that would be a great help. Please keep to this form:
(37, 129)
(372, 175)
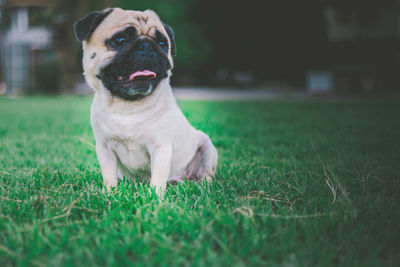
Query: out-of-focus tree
(193, 50)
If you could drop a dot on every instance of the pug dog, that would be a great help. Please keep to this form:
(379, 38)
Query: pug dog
(137, 124)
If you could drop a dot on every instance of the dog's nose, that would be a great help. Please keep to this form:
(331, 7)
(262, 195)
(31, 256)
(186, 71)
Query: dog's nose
(145, 47)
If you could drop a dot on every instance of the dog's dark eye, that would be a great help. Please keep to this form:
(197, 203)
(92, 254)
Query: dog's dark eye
(163, 45)
(119, 41)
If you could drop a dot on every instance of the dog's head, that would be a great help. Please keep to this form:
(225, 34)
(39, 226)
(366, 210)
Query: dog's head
(127, 53)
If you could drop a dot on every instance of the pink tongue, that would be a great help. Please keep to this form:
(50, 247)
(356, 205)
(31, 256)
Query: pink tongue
(146, 73)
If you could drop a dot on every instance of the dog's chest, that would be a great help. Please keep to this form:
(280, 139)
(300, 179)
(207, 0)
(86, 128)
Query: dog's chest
(126, 139)
(131, 153)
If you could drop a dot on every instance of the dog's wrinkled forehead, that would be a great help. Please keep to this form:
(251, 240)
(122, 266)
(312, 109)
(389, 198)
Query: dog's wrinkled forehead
(146, 23)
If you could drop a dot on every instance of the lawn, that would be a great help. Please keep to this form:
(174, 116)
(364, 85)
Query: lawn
(299, 183)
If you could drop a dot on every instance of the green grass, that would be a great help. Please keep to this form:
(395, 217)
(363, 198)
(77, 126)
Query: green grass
(299, 183)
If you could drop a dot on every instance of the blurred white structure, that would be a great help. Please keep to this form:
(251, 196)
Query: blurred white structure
(319, 82)
(19, 44)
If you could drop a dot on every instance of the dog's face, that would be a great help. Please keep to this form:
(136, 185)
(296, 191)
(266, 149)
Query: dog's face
(127, 53)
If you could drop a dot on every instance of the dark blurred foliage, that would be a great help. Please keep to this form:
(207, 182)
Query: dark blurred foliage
(46, 76)
(282, 40)
(273, 39)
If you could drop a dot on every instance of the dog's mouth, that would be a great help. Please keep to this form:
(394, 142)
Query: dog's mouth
(134, 86)
(137, 82)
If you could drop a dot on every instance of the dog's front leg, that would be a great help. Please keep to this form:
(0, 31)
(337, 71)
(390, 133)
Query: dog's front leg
(160, 167)
(108, 165)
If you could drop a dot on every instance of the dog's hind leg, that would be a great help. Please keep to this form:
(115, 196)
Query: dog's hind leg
(204, 163)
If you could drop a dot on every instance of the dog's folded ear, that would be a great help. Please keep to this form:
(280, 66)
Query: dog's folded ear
(84, 27)
(171, 35)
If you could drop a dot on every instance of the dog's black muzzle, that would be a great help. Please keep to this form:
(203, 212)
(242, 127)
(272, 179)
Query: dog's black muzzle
(136, 69)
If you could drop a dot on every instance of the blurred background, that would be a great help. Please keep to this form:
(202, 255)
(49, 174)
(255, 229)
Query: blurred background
(311, 46)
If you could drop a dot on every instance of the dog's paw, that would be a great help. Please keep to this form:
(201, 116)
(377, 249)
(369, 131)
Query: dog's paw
(208, 179)
(175, 181)
(158, 190)
(108, 189)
